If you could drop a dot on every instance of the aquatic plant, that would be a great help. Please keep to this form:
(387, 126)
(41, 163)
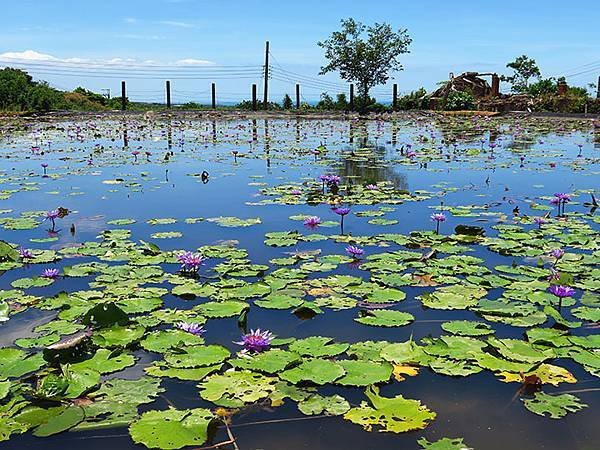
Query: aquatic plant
(256, 341)
(438, 218)
(191, 327)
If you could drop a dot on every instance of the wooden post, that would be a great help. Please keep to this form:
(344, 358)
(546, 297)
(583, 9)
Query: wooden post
(266, 90)
(254, 97)
(123, 96)
(213, 94)
(598, 91)
(395, 96)
(495, 85)
(351, 102)
(168, 86)
(297, 96)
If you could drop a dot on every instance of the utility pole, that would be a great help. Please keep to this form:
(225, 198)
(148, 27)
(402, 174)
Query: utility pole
(168, 87)
(266, 91)
(297, 96)
(123, 96)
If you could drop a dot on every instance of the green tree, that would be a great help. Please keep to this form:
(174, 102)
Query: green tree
(341, 102)
(523, 68)
(287, 102)
(541, 87)
(14, 88)
(364, 55)
(326, 103)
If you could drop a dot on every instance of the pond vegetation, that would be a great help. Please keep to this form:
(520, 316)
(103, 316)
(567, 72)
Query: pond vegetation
(422, 282)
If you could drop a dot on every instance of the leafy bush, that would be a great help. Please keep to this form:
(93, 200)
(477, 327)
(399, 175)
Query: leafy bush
(545, 86)
(287, 102)
(415, 100)
(459, 101)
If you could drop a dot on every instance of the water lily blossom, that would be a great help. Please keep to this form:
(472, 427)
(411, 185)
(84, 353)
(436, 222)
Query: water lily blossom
(355, 252)
(25, 253)
(539, 221)
(191, 327)
(341, 211)
(256, 341)
(51, 273)
(52, 216)
(561, 291)
(437, 218)
(190, 262)
(312, 222)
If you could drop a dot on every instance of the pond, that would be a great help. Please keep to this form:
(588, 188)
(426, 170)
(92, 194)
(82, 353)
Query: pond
(418, 281)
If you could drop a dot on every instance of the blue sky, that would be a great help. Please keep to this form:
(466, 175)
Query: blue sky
(563, 37)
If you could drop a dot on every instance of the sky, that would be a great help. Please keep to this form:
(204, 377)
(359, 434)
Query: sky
(95, 44)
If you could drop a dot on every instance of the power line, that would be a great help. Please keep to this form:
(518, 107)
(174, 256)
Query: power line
(108, 65)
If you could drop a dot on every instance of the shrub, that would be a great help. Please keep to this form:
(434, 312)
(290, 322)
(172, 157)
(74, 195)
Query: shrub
(459, 101)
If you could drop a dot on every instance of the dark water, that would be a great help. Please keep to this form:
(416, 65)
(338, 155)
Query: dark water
(487, 413)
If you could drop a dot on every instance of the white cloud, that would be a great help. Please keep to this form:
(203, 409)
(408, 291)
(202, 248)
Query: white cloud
(193, 62)
(130, 20)
(28, 55)
(37, 58)
(175, 23)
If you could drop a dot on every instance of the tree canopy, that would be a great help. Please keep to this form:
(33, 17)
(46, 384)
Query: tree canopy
(523, 68)
(365, 55)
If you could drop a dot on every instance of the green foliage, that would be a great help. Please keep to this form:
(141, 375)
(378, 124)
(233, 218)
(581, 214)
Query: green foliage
(553, 406)
(396, 415)
(523, 68)
(541, 87)
(287, 102)
(19, 92)
(459, 101)
(415, 100)
(366, 61)
(172, 428)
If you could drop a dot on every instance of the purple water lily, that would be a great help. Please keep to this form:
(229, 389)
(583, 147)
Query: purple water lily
(539, 221)
(371, 187)
(561, 291)
(52, 216)
(312, 222)
(437, 218)
(256, 341)
(190, 262)
(355, 252)
(557, 253)
(341, 211)
(191, 327)
(51, 273)
(25, 253)
(560, 199)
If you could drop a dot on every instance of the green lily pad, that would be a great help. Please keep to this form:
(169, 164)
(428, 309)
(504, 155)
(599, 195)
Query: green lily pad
(553, 406)
(172, 429)
(335, 405)
(318, 371)
(385, 318)
(396, 414)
